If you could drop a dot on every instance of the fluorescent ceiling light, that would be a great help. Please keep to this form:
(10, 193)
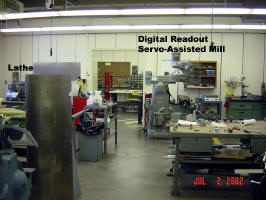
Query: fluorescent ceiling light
(258, 12)
(234, 11)
(218, 11)
(88, 12)
(15, 30)
(137, 27)
(205, 26)
(142, 11)
(153, 11)
(243, 26)
(198, 11)
(30, 15)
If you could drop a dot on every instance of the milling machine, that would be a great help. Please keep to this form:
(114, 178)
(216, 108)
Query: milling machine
(161, 108)
(15, 182)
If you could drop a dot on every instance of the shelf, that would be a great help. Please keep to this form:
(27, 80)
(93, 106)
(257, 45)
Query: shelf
(211, 68)
(22, 159)
(198, 87)
(217, 161)
(203, 76)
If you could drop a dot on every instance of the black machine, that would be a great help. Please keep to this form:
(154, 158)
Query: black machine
(15, 181)
(16, 92)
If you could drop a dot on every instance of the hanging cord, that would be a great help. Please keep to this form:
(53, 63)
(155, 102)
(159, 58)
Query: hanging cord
(51, 49)
(212, 43)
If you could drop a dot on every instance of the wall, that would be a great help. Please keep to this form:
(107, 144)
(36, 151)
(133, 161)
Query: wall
(2, 71)
(245, 54)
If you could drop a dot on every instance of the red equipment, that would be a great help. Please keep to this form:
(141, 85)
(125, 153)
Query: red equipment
(146, 114)
(108, 84)
(79, 104)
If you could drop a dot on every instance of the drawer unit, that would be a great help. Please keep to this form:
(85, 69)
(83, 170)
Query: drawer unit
(240, 110)
(203, 145)
(241, 105)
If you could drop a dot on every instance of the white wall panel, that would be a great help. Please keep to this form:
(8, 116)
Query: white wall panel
(132, 57)
(26, 54)
(2, 74)
(107, 56)
(253, 62)
(120, 56)
(232, 60)
(126, 40)
(44, 48)
(92, 40)
(264, 58)
(82, 55)
(35, 48)
(66, 48)
(11, 55)
(105, 41)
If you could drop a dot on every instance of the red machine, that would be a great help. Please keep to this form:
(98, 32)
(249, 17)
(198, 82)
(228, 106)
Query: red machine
(146, 106)
(108, 84)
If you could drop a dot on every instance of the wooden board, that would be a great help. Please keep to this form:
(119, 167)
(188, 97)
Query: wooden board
(117, 69)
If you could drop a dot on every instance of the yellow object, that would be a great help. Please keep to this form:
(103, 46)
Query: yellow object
(229, 90)
(81, 84)
(132, 99)
(134, 122)
(216, 141)
(229, 156)
(12, 112)
(135, 93)
(123, 120)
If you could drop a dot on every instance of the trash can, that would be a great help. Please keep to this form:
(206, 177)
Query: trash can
(90, 140)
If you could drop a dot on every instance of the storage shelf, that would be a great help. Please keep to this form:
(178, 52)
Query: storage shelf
(217, 161)
(211, 68)
(198, 87)
(204, 76)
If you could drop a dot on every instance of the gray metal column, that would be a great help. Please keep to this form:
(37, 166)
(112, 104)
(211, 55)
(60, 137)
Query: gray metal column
(49, 120)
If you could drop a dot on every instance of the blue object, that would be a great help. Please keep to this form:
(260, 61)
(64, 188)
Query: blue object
(14, 184)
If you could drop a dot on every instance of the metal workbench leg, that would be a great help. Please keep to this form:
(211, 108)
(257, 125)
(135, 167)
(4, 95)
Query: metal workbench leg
(105, 132)
(177, 172)
(140, 111)
(116, 114)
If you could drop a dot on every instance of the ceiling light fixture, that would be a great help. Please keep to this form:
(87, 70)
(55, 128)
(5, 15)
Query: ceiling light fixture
(127, 12)
(137, 27)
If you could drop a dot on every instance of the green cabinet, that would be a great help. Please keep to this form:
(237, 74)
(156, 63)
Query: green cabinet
(246, 109)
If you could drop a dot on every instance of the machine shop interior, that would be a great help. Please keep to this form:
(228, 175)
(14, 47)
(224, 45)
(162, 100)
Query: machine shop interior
(126, 100)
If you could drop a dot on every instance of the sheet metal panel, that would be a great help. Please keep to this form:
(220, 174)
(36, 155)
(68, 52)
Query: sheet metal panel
(48, 118)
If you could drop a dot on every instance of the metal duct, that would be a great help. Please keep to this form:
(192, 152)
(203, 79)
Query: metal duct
(48, 118)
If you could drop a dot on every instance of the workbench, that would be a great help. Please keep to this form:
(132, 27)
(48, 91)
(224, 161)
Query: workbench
(137, 93)
(257, 132)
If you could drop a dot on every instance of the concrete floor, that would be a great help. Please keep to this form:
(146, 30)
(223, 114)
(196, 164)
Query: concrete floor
(136, 170)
